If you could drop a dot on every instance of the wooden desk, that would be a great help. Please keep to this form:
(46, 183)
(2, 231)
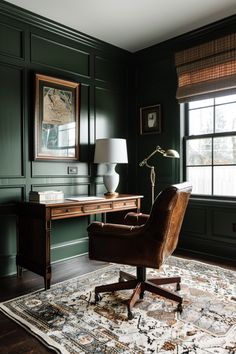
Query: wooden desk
(34, 227)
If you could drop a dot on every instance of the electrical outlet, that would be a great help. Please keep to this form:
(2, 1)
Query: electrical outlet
(72, 170)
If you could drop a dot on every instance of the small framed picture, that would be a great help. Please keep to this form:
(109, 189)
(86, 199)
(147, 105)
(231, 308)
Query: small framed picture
(150, 119)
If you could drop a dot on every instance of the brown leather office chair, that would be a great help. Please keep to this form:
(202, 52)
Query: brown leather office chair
(147, 244)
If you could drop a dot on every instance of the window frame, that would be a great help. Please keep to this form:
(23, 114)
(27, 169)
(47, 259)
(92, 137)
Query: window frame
(212, 135)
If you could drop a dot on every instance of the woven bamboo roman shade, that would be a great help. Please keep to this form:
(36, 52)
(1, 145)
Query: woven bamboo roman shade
(207, 69)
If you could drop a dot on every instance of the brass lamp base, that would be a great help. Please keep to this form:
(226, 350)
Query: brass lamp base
(111, 194)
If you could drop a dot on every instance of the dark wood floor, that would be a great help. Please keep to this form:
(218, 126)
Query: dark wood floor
(13, 338)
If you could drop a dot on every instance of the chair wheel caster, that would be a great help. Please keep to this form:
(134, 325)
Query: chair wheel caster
(180, 308)
(97, 298)
(130, 315)
(178, 287)
(141, 296)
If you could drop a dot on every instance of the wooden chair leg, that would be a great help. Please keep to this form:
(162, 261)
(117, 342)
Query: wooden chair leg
(140, 284)
(163, 292)
(134, 298)
(131, 284)
(162, 281)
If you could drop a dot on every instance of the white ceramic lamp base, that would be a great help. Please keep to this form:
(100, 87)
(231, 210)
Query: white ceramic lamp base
(111, 180)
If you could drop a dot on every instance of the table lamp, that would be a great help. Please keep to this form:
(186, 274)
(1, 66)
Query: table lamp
(166, 153)
(111, 151)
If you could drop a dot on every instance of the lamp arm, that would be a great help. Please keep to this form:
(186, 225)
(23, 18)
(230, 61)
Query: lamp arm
(167, 153)
(144, 162)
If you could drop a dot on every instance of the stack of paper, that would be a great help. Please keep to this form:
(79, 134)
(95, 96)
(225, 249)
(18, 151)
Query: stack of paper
(45, 196)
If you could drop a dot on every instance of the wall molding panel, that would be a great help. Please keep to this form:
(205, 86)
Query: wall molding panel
(59, 56)
(70, 249)
(11, 43)
(12, 121)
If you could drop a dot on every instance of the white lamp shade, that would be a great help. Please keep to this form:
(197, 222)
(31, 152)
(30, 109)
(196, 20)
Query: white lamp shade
(111, 151)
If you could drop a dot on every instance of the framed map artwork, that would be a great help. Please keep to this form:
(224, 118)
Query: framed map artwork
(56, 119)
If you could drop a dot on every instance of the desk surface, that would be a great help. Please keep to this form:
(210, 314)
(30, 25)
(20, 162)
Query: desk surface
(67, 208)
(85, 199)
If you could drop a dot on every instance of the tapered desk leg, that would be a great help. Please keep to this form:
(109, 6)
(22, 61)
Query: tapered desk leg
(104, 217)
(47, 281)
(19, 271)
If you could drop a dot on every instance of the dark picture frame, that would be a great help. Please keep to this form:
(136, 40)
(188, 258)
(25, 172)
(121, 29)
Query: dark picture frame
(150, 119)
(56, 129)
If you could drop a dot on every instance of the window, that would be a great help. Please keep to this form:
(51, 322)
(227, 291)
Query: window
(211, 146)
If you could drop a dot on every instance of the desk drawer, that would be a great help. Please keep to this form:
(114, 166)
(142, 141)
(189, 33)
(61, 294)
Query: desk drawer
(97, 208)
(125, 204)
(69, 210)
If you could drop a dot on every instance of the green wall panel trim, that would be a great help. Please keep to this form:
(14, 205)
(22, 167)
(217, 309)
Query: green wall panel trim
(100, 188)
(7, 244)
(84, 129)
(224, 223)
(11, 41)
(215, 249)
(69, 250)
(69, 230)
(110, 114)
(195, 220)
(7, 265)
(111, 71)
(58, 169)
(152, 75)
(11, 121)
(11, 194)
(7, 235)
(59, 56)
(213, 202)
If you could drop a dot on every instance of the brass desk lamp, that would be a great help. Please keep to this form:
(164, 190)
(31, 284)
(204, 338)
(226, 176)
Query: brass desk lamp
(166, 153)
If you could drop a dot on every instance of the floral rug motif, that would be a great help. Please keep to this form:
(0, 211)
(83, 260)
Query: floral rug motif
(66, 318)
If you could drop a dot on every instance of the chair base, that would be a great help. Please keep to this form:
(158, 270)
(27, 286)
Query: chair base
(140, 285)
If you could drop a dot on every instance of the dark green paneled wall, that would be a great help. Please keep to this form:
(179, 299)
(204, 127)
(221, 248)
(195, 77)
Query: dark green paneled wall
(156, 84)
(208, 226)
(30, 45)
(11, 138)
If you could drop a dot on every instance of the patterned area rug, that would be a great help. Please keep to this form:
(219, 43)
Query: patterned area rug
(66, 318)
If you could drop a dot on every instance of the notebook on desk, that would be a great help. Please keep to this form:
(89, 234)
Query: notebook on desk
(84, 199)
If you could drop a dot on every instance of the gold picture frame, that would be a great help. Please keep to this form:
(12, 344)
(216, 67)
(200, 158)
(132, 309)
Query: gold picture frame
(150, 119)
(56, 135)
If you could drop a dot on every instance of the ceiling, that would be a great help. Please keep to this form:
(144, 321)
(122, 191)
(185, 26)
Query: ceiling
(132, 24)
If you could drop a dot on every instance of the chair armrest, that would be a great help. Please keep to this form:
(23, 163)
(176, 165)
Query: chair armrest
(111, 229)
(135, 218)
